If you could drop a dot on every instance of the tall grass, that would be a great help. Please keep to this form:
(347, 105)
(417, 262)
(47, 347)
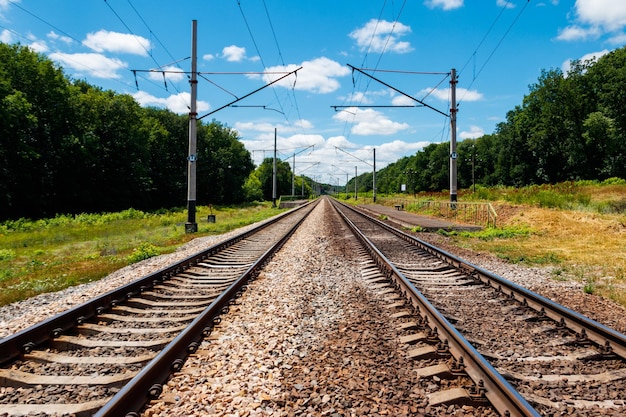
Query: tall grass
(38, 256)
(597, 196)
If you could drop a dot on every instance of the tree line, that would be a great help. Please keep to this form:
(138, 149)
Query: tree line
(70, 147)
(570, 126)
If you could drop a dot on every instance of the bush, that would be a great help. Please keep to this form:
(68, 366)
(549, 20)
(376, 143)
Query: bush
(614, 181)
(7, 254)
(144, 251)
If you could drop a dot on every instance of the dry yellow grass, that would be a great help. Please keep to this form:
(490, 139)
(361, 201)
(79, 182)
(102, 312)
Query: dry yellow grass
(589, 247)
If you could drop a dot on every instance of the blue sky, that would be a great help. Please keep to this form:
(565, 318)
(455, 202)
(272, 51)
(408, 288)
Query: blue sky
(321, 115)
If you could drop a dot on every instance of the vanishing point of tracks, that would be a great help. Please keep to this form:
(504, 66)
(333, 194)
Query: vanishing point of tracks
(495, 344)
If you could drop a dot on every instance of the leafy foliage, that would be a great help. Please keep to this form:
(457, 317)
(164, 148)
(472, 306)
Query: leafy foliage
(143, 251)
(569, 127)
(69, 147)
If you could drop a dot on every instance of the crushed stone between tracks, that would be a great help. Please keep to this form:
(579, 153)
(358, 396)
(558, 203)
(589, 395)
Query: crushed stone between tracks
(308, 338)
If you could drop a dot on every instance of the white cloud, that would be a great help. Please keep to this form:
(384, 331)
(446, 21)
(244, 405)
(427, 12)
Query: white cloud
(575, 33)
(171, 74)
(317, 76)
(403, 101)
(473, 133)
(608, 14)
(369, 122)
(380, 35)
(595, 18)
(178, 103)
(444, 4)
(594, 56)
(303, 123)
(39, 46)
(6, 36)
(324, 161)
(392, 151)
(234, 53)
(359, 97)
(104, 40)
(95, 65)
(619, 39)
(443, 94)
(55, 36)
(505, 3)
(208, 57)
(4, 4)
(300, 140)
(255, 128)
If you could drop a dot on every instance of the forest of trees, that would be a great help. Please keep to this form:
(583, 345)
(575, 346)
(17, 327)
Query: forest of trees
(569, 127)
(70, 147)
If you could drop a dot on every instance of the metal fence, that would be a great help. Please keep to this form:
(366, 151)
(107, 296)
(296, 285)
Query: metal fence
(480, 214)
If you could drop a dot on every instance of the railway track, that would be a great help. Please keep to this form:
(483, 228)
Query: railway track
(553, 358)
(476, 343)
(111, 355)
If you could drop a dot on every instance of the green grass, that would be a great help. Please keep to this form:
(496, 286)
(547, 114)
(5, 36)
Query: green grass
(493, 233)
(52, 254)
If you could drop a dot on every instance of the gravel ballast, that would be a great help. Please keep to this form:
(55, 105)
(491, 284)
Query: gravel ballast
(283, 349)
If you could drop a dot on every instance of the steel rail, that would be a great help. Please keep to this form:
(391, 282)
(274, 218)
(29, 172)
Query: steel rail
(12, 347)
(148, 383)
(608, 340)
(502, 395)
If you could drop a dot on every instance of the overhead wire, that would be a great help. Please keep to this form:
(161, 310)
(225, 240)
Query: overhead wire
(354, 82)
(145, 49)
(280, 55)
(68, 57)
(44, 21)
(258, 51)
(493, 51)
(175, 61)
(380, 56)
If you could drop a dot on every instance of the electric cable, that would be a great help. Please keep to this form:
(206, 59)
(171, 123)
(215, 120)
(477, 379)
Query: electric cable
(280, 55)
(496, 47)
(256, 47)
(145, 49)
(44, 21)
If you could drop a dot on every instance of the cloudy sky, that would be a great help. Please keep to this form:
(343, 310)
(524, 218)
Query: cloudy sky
(328, 116)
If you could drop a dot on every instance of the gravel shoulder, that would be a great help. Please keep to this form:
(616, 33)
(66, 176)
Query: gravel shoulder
(17, 316)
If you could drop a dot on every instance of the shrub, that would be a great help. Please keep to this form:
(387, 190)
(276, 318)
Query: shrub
(614, 181)
(144, 251)
(7, 254)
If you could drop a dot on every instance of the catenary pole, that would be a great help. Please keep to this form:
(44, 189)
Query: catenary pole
(453, 154)
(356, 194)
(374, 179)
(191, 226)
(274, 173)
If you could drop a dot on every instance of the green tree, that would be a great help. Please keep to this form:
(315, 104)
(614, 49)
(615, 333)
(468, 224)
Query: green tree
(35, 130)
(223, 165)
(283, 178)
(252, 188)
(167, 139)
